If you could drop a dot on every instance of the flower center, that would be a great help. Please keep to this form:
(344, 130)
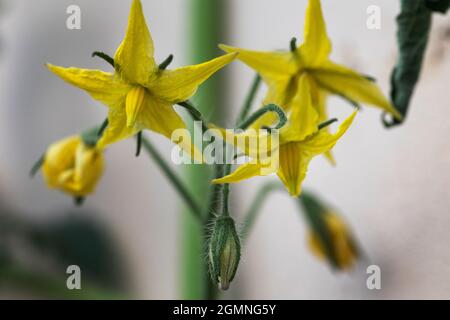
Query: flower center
(134, 104)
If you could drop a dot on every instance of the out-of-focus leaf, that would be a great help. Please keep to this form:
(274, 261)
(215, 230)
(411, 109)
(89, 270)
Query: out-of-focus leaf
(413, 23)
(83, 242)
(438, 5)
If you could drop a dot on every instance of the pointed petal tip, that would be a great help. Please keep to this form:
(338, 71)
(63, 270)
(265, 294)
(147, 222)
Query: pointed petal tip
(228, 48)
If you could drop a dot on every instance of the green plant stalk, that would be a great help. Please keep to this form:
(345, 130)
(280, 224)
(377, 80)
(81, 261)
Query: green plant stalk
(206, 18)
(193, 205)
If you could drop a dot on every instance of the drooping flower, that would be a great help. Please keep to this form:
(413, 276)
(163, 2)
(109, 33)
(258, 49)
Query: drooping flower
(72, 166)
(299, 141)
(342, 243)
(139, 95)
(281, 70)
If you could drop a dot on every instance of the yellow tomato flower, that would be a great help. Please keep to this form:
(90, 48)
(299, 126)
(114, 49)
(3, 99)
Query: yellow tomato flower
(139, 95)
(281, 70)
(72, 166)
(343, 246)
(300, 141)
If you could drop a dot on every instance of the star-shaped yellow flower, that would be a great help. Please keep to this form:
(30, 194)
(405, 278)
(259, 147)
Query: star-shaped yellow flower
(300, 141)
(281, 71)
(72, 166)
(139, 95)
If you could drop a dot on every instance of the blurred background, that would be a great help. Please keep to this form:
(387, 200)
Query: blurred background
(391, 185)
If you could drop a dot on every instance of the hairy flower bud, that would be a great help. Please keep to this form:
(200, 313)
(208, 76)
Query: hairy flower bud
(224, 252)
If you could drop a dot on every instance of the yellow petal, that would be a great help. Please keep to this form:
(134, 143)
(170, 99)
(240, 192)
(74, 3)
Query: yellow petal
(102, 86)
(89, 166)
(160, 117)
(317, 46)
(134, 104)
(180, 84)
(344, 81)
(324, 141)
(73, 167)
(303, 118)
(117, 128)
(59, 157)
(270, 65)
(293, 167)
(134, 57)
(243, 172)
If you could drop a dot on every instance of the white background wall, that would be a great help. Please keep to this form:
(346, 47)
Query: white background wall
(392, 185)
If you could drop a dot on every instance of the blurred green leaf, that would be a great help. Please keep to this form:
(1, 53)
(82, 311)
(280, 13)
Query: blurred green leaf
(438, 5)
(413, 23)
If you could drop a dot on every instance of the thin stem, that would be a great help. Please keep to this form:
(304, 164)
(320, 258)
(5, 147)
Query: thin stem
(258, 114)
(250, 98)
(173, 178)
(195, 114)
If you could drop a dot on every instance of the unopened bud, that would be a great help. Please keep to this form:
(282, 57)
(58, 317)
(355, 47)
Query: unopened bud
(224, 252)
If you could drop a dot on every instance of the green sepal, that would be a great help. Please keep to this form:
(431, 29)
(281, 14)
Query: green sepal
(37, 166)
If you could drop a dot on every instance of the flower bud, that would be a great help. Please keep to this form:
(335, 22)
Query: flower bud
(224, 252)
(72, 166)
(343, 249)
(330, 237)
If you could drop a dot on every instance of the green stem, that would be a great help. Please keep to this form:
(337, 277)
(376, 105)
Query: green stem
(250, 98)
(195, 208)
(282, 119)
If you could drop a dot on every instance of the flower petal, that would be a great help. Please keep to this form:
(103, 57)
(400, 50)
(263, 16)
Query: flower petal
(303, 119)
(180, 84)
(293, 167)
(134, 57)
(270, 65)
(117, 128)
(324, 141)
(89, 166)
(102, 86)
(243, 172)
(160, 117)
(344, 81)
(317, 46)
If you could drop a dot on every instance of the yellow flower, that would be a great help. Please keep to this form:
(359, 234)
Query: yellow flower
(139, 95)
(281, 70)
(343, 246)
(72, 166)
(300, 141)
